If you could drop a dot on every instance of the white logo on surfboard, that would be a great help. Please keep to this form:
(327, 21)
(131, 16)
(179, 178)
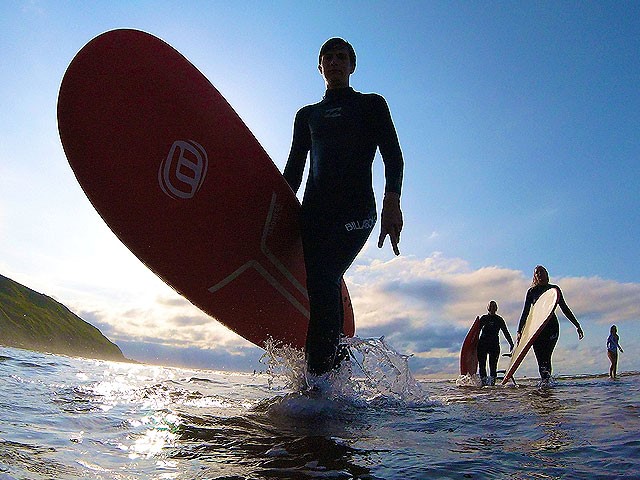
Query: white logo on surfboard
(182, 172)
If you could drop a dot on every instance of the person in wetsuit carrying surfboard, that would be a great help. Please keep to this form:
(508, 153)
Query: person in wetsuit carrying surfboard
(546, 341)
(341, 134)
(489, 344)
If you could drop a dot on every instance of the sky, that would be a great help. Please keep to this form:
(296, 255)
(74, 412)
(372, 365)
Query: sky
(519, 124)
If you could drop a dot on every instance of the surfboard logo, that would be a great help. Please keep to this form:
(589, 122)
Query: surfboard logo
(182, 172)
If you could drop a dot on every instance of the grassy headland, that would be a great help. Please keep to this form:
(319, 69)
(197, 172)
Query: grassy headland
(34, 321)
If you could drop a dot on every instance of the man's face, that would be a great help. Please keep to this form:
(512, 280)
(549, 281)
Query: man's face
(335, 66)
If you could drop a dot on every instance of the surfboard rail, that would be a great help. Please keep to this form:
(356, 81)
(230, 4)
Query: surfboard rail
(469, 350)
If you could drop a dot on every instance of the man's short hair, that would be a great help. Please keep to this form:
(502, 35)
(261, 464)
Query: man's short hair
(338, 43)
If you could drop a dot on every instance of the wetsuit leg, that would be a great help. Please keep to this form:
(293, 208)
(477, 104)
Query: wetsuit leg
(494, 353)
(482, 360)
(544, 345)
(328, 254)
(613, 358)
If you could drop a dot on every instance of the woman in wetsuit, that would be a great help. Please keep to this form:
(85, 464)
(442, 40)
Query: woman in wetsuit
(489, 345)
(545, 343)
(612, 351)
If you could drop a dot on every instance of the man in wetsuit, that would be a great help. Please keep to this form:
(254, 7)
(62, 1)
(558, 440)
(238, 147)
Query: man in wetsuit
(341, 133)
(489, 343)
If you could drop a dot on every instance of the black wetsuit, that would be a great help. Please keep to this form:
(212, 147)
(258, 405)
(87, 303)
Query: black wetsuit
(546, 341)
(489, 344)
(342, 133)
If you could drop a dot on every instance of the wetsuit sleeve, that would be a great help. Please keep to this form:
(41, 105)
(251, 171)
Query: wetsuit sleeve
(390, 151)
(525, 311)
(566, 310)
(482, 322)
(300, 146)
(505, 330)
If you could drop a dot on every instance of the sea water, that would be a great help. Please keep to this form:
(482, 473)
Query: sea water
(71, 418)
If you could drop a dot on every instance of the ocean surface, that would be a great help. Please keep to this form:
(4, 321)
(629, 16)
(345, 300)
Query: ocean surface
(71, 418)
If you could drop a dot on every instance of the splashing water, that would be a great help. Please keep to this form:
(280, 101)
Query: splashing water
(469, 380)
(474, 380)
(285, 366)
(386, 372)
(375, 372)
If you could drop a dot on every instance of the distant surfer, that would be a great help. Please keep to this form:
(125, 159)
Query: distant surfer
(613, 345)
(545, 343)
(341, 133)
(489, 344)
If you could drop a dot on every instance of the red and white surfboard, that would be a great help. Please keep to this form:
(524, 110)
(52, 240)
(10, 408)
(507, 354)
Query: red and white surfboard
(183, 183)
(538, 317)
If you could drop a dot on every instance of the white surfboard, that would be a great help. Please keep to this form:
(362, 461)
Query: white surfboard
(536, 320)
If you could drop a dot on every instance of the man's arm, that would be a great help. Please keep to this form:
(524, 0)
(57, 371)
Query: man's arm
(300, 146)
(391, 221)
(507, 335)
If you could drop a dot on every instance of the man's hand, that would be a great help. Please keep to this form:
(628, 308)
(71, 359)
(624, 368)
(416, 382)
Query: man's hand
(391, 223)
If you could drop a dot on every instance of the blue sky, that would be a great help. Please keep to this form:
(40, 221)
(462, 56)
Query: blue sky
(519, 123)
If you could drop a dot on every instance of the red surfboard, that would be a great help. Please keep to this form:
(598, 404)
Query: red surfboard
(469, 350)
(183, 183)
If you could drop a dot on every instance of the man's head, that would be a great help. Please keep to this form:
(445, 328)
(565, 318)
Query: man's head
(492, 307)
(336, 62)
(338, 43)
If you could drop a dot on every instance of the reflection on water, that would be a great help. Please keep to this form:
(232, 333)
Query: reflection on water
(255, 445)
